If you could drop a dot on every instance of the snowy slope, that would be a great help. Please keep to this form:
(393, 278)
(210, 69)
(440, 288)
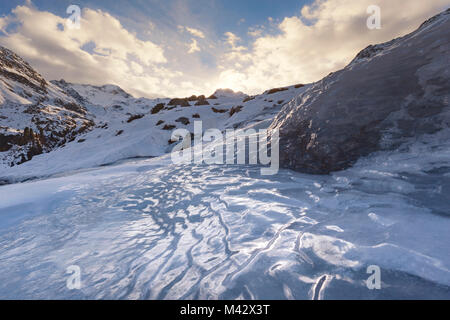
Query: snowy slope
(114, 138)
(82, 126)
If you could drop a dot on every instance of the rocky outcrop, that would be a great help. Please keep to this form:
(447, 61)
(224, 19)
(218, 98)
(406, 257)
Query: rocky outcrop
(275, 90)
(202, 101)
(183, 120)
(235, 110)
(388, 94)
(179, 102)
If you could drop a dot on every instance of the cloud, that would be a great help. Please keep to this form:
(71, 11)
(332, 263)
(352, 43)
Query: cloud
(321, 38)
(194, 47)
(115, 56)
(324, 37)
(192, 31)
(255, 31)
(195, 32)
(232, 39)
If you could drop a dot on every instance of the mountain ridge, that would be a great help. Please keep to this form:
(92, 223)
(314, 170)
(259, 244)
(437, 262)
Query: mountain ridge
(389, 93)
(57, 113)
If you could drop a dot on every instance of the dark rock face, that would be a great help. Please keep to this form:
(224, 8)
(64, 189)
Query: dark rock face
(179, 102)
(275, 90)
(169, 127)
(135, 117)
(158, 108)
(202, 101)
(389, 93)
(235, 110)
(183, 120)
(215, 110)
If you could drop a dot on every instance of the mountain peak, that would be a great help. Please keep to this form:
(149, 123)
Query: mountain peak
(228, 93)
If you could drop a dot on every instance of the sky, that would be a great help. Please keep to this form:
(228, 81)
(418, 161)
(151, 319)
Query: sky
(176, 48)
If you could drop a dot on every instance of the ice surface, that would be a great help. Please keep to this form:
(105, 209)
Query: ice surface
(148, 229)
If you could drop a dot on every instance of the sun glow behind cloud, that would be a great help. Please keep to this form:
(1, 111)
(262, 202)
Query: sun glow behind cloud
(303, 47)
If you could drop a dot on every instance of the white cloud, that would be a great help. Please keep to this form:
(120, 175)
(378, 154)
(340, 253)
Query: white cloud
(255, 31)
(323, 38)
(193, 46)
(232, 39)
(192, 31)
(136, 67)
(195, 32)
(59, 53)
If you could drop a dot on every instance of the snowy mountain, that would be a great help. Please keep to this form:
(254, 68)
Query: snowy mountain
(152, 229)
(121, 126)
(389, 93)
(35, 115)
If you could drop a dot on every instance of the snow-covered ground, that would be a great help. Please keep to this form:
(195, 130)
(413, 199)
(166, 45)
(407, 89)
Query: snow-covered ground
(148, 229)
(114, 138)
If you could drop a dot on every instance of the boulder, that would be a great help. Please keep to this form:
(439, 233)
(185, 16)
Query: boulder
(389, 93)
(179, 102)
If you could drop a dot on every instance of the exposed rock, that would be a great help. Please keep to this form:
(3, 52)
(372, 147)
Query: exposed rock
(157, 108)
(389, 93)
(117, 107)
(202, 101)
(235, 110)
(169, 127)
(135, 117)
(215, 110)
(179, 102)
(183, 120)
(71, 106)
(275, 90)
